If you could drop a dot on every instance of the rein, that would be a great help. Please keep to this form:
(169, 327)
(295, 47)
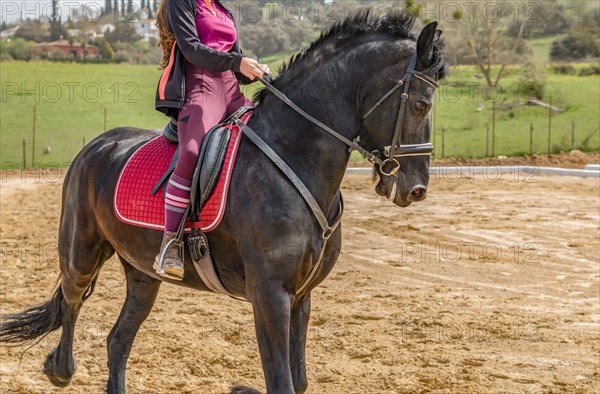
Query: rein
(395, 149)
(352, 144)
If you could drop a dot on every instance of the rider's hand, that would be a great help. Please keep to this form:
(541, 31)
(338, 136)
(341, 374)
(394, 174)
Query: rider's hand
(252, 69)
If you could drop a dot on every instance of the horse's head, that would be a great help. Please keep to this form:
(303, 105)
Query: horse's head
(396, 115)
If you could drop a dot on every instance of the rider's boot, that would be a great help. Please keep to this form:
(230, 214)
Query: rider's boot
(170, 265)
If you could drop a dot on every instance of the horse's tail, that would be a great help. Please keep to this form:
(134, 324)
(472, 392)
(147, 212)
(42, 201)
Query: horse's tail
(26, 326)
(37, 321)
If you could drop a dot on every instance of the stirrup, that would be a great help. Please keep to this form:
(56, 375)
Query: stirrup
(159, 261)
(178, 239)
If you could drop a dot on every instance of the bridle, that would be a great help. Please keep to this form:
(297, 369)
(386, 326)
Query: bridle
(395, 149)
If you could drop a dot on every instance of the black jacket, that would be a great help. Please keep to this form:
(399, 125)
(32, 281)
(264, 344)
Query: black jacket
(181, 16)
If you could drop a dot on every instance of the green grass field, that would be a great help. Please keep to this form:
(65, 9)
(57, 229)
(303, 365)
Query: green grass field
(465, 119)
(71, 99)
(540, 48)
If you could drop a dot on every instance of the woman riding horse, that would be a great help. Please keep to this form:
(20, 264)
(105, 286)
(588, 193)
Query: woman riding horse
(202, 56)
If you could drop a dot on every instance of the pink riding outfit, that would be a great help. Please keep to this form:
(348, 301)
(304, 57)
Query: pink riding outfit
(209, 98)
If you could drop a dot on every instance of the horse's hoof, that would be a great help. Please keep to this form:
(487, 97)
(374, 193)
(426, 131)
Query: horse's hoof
(59, 380)
(243, 390)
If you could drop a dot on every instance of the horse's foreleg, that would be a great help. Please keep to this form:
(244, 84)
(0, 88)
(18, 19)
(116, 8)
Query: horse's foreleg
(141, 294)
(298, 330)
(271, 306)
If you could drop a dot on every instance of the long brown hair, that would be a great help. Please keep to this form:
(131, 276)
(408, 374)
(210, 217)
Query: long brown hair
(167, 39)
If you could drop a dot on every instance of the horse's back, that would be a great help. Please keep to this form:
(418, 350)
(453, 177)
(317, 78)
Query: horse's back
(107, 153)
(92, 175)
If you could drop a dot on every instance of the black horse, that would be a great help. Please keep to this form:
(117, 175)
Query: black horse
(268, 240)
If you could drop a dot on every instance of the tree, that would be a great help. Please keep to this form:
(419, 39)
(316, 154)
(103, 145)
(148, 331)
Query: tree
(486, 38)
(549, 19)
(54, 10)
(105, 50)
(33, 31)
(582, 40)
(108, 6)
(123, 32)
(57, 30)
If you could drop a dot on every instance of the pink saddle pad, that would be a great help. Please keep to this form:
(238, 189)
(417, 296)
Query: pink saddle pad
(133, 203)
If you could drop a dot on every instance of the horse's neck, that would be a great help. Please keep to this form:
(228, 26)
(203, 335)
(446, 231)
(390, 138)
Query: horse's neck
(318, 158)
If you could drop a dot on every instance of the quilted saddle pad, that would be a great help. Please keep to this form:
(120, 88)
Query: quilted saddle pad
(133, 203)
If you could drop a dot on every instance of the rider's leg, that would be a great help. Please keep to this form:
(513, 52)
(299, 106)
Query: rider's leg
(208, 97)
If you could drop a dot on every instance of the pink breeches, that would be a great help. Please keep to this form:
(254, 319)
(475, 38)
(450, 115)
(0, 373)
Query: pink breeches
(210, 97)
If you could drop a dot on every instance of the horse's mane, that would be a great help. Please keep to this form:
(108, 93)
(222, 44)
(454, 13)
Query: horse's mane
(396, 22)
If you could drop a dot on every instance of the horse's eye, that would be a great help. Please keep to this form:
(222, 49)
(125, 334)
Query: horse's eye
(420, 106)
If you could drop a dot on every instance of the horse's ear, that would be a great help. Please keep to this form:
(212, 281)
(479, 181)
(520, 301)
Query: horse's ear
(425, 45)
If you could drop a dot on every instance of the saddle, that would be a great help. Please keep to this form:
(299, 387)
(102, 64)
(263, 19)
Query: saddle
(209, 164)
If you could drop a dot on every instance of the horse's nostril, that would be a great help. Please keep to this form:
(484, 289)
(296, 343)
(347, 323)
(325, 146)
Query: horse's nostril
(418, 193)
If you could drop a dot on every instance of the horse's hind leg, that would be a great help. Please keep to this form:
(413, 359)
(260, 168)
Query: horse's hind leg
(141, 294)
(80, 263)
(298, 330)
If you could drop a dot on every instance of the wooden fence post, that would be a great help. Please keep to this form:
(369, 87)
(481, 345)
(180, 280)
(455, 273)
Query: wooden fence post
(33, 137)
(487, 139)
(549, 124)
(443, 142)
(494, 129)
(530, 139)
(24, 154)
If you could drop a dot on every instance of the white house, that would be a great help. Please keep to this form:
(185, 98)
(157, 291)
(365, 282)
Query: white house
(146, 28)
(99, 31)
(4, 34)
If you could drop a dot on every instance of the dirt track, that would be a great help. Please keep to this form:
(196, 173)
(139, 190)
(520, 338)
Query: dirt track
(487, 286)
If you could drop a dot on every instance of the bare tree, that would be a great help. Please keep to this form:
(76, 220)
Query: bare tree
(485, 28)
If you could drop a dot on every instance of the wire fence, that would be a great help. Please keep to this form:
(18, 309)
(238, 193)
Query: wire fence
(554, 140)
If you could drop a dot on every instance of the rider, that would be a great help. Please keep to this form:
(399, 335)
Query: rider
(203, 67)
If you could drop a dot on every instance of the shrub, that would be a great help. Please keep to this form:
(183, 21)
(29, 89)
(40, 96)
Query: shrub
(565, 69)
(17, 48)
(121, 56)
(587, 71)
(57, 55)
(532, 82)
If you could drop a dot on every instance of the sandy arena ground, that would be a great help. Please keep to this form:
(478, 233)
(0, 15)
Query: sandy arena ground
(491, 285)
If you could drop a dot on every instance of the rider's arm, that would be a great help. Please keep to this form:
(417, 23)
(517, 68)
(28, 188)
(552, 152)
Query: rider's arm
(242, 79)
(182, 21)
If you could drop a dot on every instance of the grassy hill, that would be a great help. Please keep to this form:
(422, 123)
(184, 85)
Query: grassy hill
(71, 99)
